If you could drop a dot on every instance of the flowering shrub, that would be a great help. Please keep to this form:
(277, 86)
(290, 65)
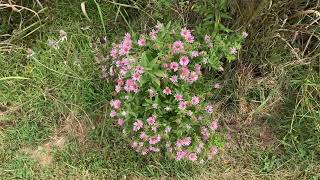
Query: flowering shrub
(159, 103)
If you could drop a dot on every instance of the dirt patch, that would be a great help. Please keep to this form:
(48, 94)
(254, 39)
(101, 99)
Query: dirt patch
(69, 127)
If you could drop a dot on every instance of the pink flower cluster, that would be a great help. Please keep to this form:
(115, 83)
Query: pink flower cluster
(170, 115)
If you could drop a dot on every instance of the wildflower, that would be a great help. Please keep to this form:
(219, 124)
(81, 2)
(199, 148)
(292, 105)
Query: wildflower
(113, 113)
(134, 144)
(139, 69)
(197, 68)
(245, 34)
(195, 100)
(187, 35)
(189, 113)
(174, 79)
(154, 128)
(126, 45)
(174, 66)
(144, 136)
(209, 109)
(136, 76)
(194, 54)
(118, 89)
(167, 108)
(200, 147)
(116, 104)
(114, 52)
(120, 122)
(205, 133)
(214, 150)
(167, 91)
(184, 73)
(184, 60)
(152, 93)
(137, 125)
(183, 105)
(207, 39)
(124, 113)
(178, 97)
(144, 151)
(131, 86)
(154, 149)
(165, 65)
(167, 129)
(141, 42)
(153, 35)
(155, 105)
(233, 50)
(181, 154)
(177, 47)
(193, 157)
(151, 120)
(193, 76)
(154, 139)
(214, 125)
(217, 86)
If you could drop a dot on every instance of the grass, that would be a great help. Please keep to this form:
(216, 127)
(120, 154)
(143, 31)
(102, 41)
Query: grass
(53, 108)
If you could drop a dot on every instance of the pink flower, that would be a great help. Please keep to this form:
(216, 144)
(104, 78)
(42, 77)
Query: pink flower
(114, 53)
(181, 154)
(194, 54)
(207, 39)
(209, 109)
(139, 69)
(154, 149)
(184, 73)
(185, 32)
(193, 76)
(174, 66)
(167, 91)
(116, 104)
(134, 144)
(113, 113)
(195, 100)
(197, 68)
(214, 125)
(214, 150)
(120, 122)
(153, 35)
(151, 120)
(141, 42)
(137, 125)
(136, 76)
(233, 51)
(174, 79)
(165, 65)
(217, 86)
(154, 128)
(183, 105)
(131, 86)
(144, 136)
(126, 45)
(189, 39)
(177, 47)
(186, 141)
(178, 97)
(187, 35)
(154, 139)
(205, 133)
(200, 147)
(193, 157)
(184, 60)
(120, 81)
